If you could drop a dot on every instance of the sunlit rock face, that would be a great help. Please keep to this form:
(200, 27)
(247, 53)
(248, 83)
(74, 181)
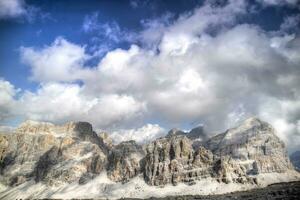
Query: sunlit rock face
(124, 161)
(173, 160)
(254, 145)
(107, 141)
(51, 154)
(73, 153)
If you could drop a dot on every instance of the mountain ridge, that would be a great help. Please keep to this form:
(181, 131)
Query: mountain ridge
(40, 153)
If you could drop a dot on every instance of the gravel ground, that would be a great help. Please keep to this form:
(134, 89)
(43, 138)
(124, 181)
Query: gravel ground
(279, 191)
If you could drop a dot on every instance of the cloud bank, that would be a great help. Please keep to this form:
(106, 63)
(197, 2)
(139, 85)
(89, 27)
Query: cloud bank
(12, 8)
(204, 67)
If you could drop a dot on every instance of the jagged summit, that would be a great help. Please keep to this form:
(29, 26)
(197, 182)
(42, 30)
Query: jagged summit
(30, 122)
(175, 132)
(70, 128)
(58, 155)
(198, 133)
(254, 141)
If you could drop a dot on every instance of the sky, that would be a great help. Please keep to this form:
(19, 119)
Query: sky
(139, 68)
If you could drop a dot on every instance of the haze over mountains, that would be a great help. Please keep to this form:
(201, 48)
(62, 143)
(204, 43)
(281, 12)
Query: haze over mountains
(43, 160)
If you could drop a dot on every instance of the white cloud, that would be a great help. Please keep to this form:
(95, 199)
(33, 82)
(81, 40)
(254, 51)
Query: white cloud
(11, 8)
(7, 101)
(290, 23)
(55, 102)
(112, 110)
(59, 103)
(284, 115)
(145, 134)
(190, 81)
(188, 75)
(7, 129)
(62, 61)
(279, 2)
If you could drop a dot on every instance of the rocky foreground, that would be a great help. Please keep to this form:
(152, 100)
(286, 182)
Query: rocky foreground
(282, 191)
(42, 160)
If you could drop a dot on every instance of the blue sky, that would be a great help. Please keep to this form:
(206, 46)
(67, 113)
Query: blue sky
(65, 18)
(146, 66)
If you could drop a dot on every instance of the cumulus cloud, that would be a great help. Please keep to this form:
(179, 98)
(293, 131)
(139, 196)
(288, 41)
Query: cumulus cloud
(203, 67)
(59, 103)
(284, 115)
(11, 8)
(7, 101)
(61, 61)
(142, 135)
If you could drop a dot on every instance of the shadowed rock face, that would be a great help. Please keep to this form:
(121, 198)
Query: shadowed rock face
(124, 161)
(49, 153)
(73, 152)
(197, 133)
(295, 159)
(66, 164)
(173, 160)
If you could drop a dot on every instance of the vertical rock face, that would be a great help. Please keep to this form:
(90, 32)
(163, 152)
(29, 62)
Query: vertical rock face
(295, 159)
(124, 161)
(253, 143)
(249, 149)
(229, 170)
(172, 160)
(73, 152)
(107, 141)
(49, 153)
(69, 162)
(20, 155)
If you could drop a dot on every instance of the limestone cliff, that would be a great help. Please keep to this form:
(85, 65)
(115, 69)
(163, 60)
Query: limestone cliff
(173, 160)
(73, 153)
(49, 153)
(254, 145)
(124, 161)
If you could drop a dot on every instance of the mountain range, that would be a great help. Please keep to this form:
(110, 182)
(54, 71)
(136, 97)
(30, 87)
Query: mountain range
(43, 160)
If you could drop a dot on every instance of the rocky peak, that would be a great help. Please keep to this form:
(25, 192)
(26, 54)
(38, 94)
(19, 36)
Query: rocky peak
(73, 152)
(166, 159)
(241, 134)
(33, 127)
(107, 140)
(254, 141)
(197, 133)
(174, 132)
(50, 153)
(78, 129)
